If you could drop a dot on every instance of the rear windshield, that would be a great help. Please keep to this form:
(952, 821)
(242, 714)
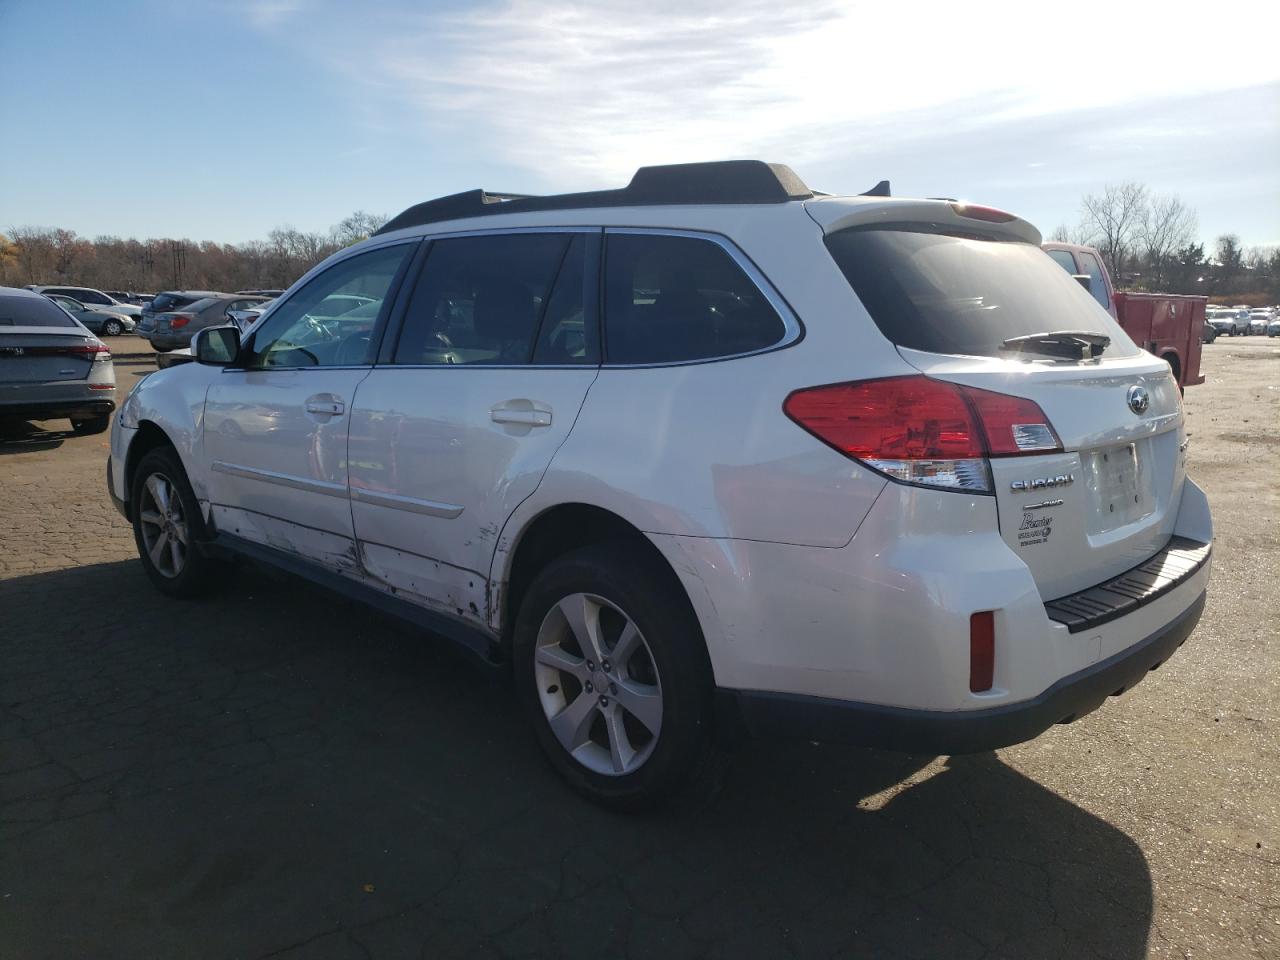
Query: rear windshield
(169, 301)
(33, 312)
(945, 293)
(196, 306)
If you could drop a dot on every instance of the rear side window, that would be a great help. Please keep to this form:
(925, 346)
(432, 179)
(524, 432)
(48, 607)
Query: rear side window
(32, 312)
(1097, 281)
(480, 300)
(964, 295)
(670, 299)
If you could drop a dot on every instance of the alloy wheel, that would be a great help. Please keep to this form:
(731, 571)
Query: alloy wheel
(598, 684)
(165, 533)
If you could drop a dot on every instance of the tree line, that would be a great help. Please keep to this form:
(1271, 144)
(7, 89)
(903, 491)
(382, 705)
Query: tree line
(1150, 241)
(51, 255)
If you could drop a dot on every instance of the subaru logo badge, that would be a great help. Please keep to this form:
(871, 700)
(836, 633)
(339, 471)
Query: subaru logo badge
(1139, 399)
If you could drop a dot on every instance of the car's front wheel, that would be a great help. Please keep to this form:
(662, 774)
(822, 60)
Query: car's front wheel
(167, 527)
(113, 328)
(611, 668)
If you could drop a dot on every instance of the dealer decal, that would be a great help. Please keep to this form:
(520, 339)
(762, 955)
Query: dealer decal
(1034, 529)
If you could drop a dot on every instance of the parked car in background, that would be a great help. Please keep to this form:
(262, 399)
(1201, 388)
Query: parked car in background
(95, 299)
(99, 321)
(168, 300)
(1273, 328)
(904, 482)
(246, 317)
(1168, 325)
(1220, 318)
(175, 328)
(269, 294)
(1209, 334)
(1259, 318)
(125, 296)
(51, 366)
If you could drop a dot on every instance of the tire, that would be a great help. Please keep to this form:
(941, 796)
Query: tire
(666, 678)
(183, 571)
(113, 328)
(85, 428)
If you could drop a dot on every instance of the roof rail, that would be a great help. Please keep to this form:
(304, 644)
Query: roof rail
(724, 181)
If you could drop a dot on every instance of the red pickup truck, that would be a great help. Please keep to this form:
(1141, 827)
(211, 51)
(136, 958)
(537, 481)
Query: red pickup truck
(1167, 324)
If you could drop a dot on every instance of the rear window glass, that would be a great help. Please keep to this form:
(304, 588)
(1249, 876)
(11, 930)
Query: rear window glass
(671, 299)
(944, 293)
(169, 301)
(195, 306)
(32, 312)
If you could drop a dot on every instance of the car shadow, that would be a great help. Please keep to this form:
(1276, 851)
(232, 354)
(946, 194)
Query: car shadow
(22, 436)
(273, 768)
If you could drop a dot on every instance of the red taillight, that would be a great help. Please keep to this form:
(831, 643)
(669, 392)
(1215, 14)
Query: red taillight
(921, 430)
(900, 418)
(982, 651)
(179, 322)
(973, 211)
(1013, 425)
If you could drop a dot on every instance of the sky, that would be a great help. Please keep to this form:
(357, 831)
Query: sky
(221, 119)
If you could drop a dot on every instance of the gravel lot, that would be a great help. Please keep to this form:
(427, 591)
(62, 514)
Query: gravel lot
(277, 773)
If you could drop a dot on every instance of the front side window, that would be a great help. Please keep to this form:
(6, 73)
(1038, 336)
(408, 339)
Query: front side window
(671, 299)
(480, 300)
(318, 326)
(1097, 280)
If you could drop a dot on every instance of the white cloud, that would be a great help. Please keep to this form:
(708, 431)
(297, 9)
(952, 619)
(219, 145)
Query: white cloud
(583, 93)
(270, 13)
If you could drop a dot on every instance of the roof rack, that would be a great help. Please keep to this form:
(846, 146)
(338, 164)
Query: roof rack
(724, 181)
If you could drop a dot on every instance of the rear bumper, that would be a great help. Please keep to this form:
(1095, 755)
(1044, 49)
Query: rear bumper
(166, 341)
(57, 409)
(970, 731)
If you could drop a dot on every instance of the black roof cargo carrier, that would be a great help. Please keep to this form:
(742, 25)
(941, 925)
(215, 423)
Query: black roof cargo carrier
(724, 181)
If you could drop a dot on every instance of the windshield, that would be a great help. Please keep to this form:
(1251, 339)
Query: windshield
(944, 293)
(33, 312)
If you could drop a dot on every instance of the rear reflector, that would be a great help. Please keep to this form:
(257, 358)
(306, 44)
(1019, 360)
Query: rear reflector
(102, 386)
(973, 211)
(923, 431)
(982, 651)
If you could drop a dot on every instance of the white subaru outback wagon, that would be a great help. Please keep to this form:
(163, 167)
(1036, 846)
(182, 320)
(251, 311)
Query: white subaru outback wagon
(708, 449)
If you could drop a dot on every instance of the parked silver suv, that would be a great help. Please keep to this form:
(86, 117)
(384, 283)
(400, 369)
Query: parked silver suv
(856, 468)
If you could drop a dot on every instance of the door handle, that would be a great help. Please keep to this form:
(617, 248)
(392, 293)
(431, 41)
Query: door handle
(522, 412)
(325, 406)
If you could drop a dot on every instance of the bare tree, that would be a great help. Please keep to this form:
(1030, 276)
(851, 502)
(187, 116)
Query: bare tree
(359, 226)
(1113, 220)
(1167, 225)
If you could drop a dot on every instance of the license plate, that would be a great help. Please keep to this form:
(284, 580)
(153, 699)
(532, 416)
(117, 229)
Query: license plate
(1118, 479)
(11, 351)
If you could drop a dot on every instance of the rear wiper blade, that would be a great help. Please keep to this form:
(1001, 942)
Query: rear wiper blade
(1075, 344)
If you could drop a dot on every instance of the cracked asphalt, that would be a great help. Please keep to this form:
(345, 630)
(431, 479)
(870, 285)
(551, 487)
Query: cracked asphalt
(276, 773)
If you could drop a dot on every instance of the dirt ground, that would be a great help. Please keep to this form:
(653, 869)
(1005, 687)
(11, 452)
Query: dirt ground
(277, 773)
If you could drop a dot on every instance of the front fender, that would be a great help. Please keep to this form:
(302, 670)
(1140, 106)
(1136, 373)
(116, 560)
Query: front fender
(171, 401)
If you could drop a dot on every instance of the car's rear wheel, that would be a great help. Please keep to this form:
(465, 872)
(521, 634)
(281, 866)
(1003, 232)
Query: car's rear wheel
(611, 668)
(167, 528)
(113, 328)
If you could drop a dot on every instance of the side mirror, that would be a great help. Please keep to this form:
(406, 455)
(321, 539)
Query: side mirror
(217, 346)
(1083, 279)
